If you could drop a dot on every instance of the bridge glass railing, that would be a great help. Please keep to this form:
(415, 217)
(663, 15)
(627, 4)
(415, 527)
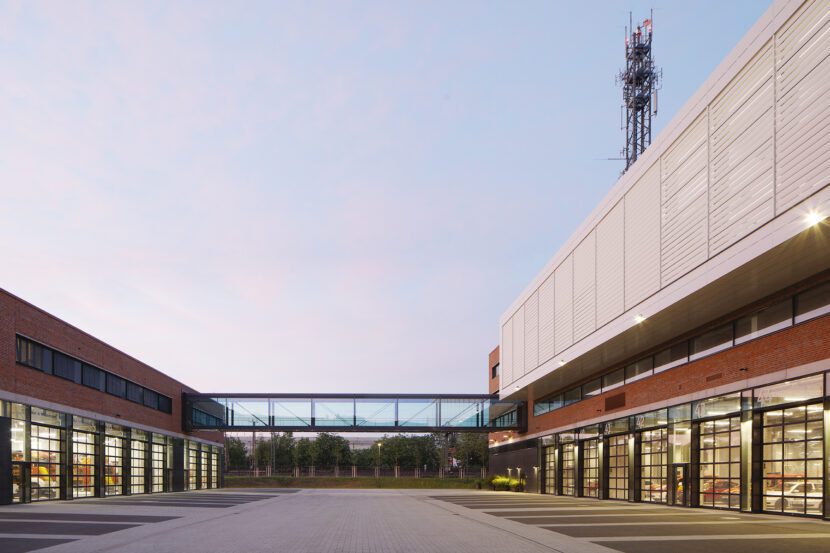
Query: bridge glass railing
(352, 412)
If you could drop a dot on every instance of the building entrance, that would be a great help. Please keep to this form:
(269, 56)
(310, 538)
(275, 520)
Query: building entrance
(680, 473)
(21, 482)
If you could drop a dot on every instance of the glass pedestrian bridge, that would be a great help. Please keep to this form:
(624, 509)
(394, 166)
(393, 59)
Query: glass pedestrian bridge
(352, 413)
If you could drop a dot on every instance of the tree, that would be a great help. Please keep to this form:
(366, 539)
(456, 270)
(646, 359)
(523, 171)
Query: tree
(304, 453)
(237, 453)
(471, 450)
(332, 450)
(276, 451)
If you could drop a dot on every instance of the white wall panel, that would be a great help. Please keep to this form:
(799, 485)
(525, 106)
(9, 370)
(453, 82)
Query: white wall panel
(803, 112)
(519, 343)
(506, 354)
(684, 210)
(642, 238)
(546, 334)
(531, 333)
(758, 144)
(741, 159)
(611, 265)
(563, 304)
(585, 281)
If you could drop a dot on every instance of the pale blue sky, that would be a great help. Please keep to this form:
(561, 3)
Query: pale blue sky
(315, 196)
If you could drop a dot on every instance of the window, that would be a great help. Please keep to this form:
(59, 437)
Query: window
(495, 371)
(638, 370)
(671, 357)
(812, 303)
(550, 470)
(592, 388)
(138, 448)
(165, 404)
(93, 377)
(40, 357)
(774, 317)
(113, 465)
(572, 396)
(151, 399)
(66, 367)
(33, 355)
(116, 385)
(135, 393)
(711, 342)
(613, 380)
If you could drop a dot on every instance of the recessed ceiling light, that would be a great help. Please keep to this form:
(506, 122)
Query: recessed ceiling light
(515, 387)
(561, 362)
(638, 318)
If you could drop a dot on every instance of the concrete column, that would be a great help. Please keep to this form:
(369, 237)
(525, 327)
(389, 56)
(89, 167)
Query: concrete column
(5, 460)
(178, 476)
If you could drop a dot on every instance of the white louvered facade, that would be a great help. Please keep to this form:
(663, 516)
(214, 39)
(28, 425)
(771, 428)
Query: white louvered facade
(750, 151)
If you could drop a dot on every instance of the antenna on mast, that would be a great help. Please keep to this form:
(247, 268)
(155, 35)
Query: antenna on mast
(640, 81)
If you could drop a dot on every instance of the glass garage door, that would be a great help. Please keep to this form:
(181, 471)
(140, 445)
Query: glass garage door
(550, 470)
(568, 469)
(793, 460)
(653, 459)
(138, 462)
(157, 455)
(46, 462)
(720, 463)
(83, 464)
(590, 468)
(618, 467)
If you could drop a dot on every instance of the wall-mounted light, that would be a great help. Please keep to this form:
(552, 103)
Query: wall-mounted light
(813, 218)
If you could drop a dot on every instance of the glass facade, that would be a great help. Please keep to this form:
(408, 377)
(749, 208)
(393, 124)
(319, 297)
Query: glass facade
(60, 456)
(693, 454)
(618, 467)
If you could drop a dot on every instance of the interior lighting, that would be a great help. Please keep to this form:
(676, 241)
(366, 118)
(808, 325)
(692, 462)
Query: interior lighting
(813, 218)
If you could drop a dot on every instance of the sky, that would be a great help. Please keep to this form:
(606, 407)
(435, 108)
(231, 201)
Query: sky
(315, 196)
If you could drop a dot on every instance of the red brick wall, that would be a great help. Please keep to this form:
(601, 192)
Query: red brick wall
(493, 360)
(805, 343)
(18, 316)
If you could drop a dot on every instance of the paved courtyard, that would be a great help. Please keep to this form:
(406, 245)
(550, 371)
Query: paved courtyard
(344, 521)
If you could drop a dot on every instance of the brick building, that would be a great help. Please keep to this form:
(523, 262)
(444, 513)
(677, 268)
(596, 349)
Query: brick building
(676, 349)
(78, 418)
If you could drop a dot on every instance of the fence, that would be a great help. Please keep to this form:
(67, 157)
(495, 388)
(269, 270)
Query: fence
(362, 472)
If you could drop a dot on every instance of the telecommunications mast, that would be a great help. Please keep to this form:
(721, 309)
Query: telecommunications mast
(640, 81)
